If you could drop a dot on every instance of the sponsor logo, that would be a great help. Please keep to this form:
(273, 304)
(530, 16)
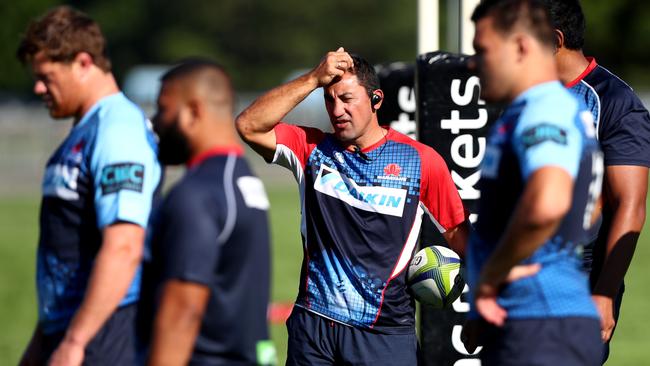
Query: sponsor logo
(252, 190)
(392, 169)
(384, 200)
(116, 177)
(392, 172)
(542, 133)
(61, 181)
(588, 122)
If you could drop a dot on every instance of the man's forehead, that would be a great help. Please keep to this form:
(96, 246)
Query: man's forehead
(346, 83)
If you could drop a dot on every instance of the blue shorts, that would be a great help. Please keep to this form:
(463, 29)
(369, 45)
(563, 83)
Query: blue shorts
(315, 340)
(543, 342)
(114, 344)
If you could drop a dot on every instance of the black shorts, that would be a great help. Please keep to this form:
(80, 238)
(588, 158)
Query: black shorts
(540, 342)
(114, 344)
(315, 340)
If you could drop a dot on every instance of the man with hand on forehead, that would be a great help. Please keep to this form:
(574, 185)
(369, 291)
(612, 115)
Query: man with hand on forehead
(364, 190)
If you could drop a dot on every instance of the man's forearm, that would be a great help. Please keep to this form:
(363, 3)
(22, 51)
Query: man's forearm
(625, 191)
(538, 214)
(112, 274)
(624, 231)
(270, 108)
(177, 322)
(519, 242)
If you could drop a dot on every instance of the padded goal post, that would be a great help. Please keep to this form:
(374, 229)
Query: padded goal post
(437, 101)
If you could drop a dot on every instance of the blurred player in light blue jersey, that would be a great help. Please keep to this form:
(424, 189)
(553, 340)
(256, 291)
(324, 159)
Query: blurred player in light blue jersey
(97, 195)
(541, 177)
(623, 132)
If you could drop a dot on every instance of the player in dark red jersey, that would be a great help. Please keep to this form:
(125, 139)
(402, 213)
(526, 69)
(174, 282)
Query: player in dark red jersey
(364, 190)
(623, 131)
(210, 247)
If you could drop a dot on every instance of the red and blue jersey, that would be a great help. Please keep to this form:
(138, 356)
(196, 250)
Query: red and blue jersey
(361, 217)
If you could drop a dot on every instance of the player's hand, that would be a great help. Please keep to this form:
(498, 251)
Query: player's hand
(488, 289)
(67, 354)
(486, 304)
(605, 306)
(333, 65)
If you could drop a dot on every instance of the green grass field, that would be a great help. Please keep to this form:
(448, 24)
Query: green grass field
(18, 235)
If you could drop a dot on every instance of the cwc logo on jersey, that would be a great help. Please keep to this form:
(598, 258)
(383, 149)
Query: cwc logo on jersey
(384, 200)
(116, 177)
(544, 132)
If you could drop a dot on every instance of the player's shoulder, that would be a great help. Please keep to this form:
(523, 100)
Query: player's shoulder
(119, 110)
(549, 103)
(190, 194)
(427, 155)
(613, 91)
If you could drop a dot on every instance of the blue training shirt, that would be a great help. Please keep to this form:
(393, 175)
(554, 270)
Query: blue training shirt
(545, 126)
(105, 171)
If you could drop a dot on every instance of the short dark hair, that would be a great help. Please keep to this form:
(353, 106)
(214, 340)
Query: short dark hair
(62, 34)
(190, 66)
(205, 71)
(568, 18)
(365, 73)
(532, 15)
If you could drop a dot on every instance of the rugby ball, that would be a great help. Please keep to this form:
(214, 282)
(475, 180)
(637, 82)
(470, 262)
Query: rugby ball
(434, 276)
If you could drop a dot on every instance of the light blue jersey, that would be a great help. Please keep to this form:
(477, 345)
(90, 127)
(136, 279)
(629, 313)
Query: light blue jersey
(545, 126)
(105, 171)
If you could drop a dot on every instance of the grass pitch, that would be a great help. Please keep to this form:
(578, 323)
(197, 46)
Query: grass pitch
(19, 233)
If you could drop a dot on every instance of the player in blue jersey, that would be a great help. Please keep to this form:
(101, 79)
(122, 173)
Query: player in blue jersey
(210, 247)
(540, 180)
(364, 191)
(623, 131)
(97, 195)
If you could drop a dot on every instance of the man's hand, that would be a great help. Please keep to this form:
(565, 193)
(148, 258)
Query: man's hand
(69, 353)
(333, 65)
(488, 288)
(605, 306)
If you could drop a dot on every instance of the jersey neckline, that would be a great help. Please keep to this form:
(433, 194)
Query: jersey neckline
(215, 151)
(589, 69)
(388, 134)
(103, 100)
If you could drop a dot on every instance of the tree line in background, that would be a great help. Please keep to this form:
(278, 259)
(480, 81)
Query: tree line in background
(261, 41)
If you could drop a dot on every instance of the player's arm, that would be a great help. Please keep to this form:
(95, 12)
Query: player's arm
(255, 124)
(545, 201)
(458, 237)
(625, 190)
(177, 322)
(33, 354)
(113, 271)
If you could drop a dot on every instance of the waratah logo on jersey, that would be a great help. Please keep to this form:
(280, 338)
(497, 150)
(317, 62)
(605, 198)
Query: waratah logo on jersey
(392, 170)
(384, 200)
